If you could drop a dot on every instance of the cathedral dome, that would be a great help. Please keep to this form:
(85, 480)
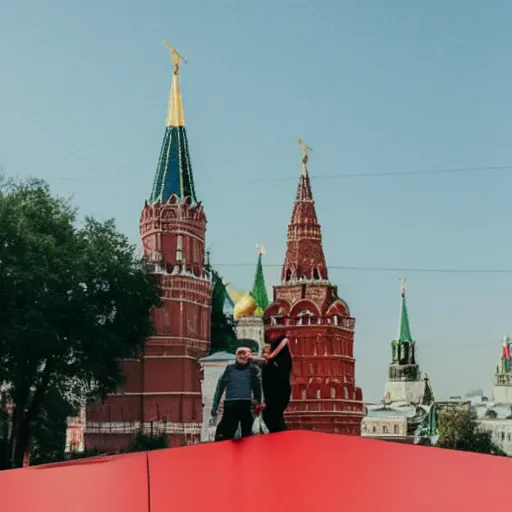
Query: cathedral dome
(246, 306)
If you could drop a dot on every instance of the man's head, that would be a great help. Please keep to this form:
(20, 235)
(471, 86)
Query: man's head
(242, 355)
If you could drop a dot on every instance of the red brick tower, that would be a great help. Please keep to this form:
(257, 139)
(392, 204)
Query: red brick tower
(162, 394)
(307, 309)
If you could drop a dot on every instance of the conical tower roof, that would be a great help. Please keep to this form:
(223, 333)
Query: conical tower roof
(404, 331)
(259, 290)
(304, 258)
(174, 170)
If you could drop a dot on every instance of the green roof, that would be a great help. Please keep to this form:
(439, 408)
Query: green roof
(259, 290)
(405, 331)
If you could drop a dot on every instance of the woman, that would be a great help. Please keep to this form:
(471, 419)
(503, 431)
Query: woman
(276, 381)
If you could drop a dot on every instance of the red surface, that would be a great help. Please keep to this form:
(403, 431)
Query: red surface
(292, 471)
(307, 472)
(116, 483)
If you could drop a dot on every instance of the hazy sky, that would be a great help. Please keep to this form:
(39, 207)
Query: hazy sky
(372, 86)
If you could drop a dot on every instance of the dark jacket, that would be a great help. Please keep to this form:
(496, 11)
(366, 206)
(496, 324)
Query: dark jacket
(241, 382)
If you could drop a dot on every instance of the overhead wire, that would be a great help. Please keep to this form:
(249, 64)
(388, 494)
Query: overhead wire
(315, 177)
(384, 269)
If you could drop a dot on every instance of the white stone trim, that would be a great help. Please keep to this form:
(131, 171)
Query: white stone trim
(148, 427)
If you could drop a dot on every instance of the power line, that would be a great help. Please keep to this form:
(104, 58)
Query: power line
(383, 269)
(314, 177)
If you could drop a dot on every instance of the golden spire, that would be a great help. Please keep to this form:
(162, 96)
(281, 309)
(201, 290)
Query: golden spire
(175, 115)
(305, 152)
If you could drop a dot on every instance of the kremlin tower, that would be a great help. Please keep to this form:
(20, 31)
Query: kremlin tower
(404, 383)
(306, 308)
(502, 390)
(162, 392)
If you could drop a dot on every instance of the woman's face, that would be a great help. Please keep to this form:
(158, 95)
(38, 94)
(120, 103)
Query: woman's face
(266, 349)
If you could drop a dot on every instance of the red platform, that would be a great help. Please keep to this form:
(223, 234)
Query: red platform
(292, 471)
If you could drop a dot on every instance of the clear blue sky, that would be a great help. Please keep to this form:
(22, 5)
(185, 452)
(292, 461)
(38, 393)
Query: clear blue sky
(372, 86)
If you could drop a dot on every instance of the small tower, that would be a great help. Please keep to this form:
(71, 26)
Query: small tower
(502, 390)
(307, 309)
(404, 382)
(162, 392)
(250, 326)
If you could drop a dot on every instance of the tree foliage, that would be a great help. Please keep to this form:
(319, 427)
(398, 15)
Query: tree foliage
(222, 327)
(74, 300)
(458, 430)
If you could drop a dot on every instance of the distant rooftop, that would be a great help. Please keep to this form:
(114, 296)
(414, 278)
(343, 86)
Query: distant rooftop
(218, 356)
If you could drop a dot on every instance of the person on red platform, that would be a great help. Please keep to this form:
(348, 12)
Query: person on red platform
(242, 383)
(276, 381)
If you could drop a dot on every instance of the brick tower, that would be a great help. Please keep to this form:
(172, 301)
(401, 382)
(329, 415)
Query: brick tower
(162, 393)
(306, 307)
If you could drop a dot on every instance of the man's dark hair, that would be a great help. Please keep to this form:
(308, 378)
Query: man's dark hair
(252, 344)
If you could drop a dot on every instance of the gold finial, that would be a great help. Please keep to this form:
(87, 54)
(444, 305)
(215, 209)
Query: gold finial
(305, 152)
(175, 116)
(175, 56)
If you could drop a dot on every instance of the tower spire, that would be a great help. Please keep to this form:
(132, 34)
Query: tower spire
(175, 115)
(404, 331)
(259, 290)
(304, 258)
(174, 171)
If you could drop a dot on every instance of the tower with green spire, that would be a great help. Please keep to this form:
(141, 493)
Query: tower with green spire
(502, 389)
(404, 382)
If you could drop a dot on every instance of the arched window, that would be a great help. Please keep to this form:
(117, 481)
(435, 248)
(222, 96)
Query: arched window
(304, 317)
(395, 429)
(385, 429)
(333, 393)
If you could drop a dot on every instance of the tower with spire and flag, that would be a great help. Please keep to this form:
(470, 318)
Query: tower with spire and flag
(162, 392)
(502, 389)
(404, 382)
(307, 309)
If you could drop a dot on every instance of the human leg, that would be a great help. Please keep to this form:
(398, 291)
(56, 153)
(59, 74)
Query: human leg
(246, 417)
(226, 429)
(271, 417)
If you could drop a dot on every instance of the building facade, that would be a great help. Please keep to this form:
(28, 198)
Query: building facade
(307, 309)
(162, 393)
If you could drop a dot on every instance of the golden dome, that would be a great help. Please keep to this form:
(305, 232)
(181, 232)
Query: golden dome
(246, 306)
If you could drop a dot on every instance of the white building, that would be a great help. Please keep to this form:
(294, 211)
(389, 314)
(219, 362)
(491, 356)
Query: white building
(213, 367)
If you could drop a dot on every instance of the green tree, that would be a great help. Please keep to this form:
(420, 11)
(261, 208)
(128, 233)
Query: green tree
(74, 300)
(458, 430)
(48, 439)
(222, 327)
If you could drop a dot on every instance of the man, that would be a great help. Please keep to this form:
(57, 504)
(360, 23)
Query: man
(242, 383)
